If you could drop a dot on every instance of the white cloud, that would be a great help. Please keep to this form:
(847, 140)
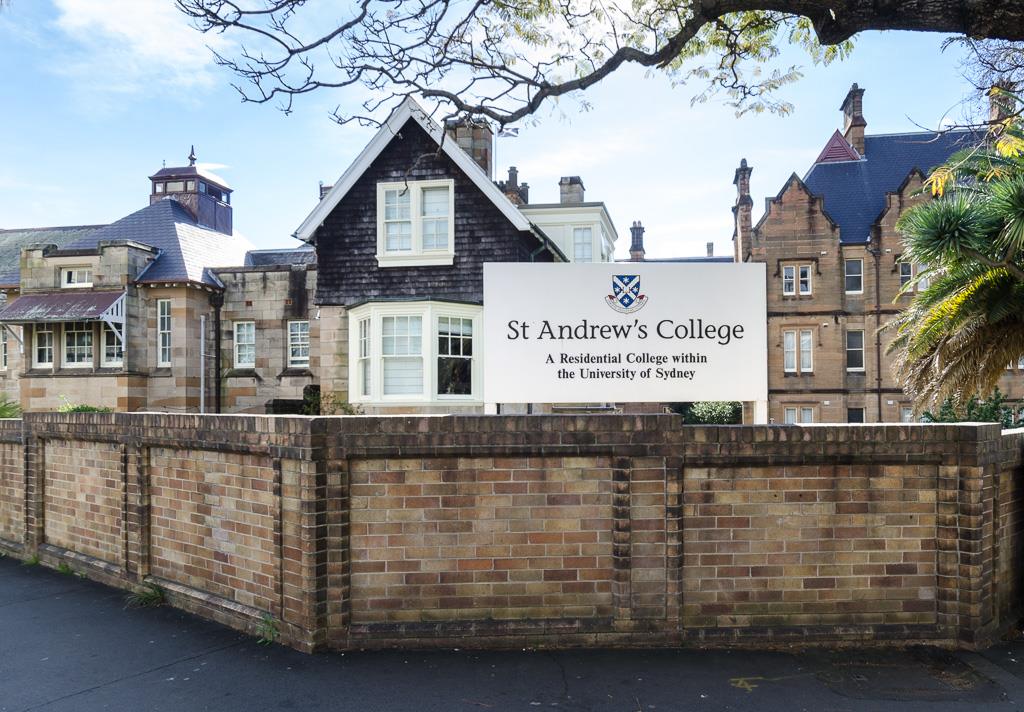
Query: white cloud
(127, 46)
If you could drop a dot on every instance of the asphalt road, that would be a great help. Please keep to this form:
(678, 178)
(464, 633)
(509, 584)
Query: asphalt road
(69, 644)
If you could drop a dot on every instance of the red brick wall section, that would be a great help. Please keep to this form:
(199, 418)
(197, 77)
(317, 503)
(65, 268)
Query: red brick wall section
(832, 545)
(12, 492)
(481, 538)
(83, 496)
(358, 532)
(212, 524)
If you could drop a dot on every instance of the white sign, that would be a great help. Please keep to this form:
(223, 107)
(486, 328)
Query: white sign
(624, 332)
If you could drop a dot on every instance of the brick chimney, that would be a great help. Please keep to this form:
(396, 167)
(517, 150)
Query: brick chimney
(570, 189)
(636, 247)
(742, 211)
(475, 137)
(711, 249)
(1001, 105)
(853, 118)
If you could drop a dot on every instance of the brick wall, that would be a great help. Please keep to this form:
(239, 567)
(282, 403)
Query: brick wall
(83, 490)
(12, 483)
(531, 530)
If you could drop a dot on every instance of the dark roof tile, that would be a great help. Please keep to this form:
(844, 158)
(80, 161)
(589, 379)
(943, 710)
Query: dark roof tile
(854, 192)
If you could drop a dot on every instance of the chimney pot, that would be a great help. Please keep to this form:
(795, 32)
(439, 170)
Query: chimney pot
(711, 249)
(571, 189)
(636, 248)
(854, 122)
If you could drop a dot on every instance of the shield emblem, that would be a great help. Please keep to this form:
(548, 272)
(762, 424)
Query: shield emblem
(626, 296)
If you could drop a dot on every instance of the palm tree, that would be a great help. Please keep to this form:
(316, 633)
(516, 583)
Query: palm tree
(962, 329)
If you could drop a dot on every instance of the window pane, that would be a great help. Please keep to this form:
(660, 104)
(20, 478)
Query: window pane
(855, 415)
(790, 416)
(807, 415)
(854, 275)
(788, 280)
(906, 272)
(435, 202)
(855, 349)
(789, 350)
(583, 244)
(403, 375)
(455, 352)
(805, 350)
(113, 349)
(78, 342)
(298, 343)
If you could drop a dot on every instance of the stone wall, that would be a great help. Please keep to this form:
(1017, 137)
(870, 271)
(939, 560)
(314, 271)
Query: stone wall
(352, 532)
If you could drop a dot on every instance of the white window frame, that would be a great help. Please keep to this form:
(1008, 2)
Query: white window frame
(847, 275)
(364, 362)
(909, 276)
(3, 347)
(417, 256)
(788, 280)
(74, 272)
(809, 279)
(66, 331)
(164, 330)
(862, 349)
(237, 341)
(577, 244)
(292, 342)
(374, 314)
(797, 414)
(799, 337)
(922, 282)
(36, 331)
(105, 330)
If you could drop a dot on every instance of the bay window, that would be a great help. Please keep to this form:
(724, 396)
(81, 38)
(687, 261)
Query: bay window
(113, 349)
(414, 352)
(42, 346)
(415, 223)
(78, 344)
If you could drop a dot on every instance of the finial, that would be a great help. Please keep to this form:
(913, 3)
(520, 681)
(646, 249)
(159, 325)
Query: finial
(164, 163)
(192, 156)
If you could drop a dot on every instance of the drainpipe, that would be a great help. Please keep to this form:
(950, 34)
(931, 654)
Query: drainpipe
(877, 254)
(202, 363)
(216, 301)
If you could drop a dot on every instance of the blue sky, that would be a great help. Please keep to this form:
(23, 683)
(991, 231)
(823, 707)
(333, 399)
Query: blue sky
(97, 95)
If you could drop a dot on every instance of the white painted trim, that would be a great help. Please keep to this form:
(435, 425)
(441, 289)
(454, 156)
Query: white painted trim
(406, 110)
(170, 334)
(235, 342)
(52, 330)
(417, 255)
(113, 316)
(288, 344)
(429, 311)
(75, 268)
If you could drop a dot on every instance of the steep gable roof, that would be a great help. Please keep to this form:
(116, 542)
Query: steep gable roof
(854, 192)
(837, 149)
(187, 250)
(407, 110)
(12, 242)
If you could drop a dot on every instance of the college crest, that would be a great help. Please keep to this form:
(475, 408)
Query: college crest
(626, 297)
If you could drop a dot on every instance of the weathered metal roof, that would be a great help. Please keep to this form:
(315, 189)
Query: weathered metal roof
(68, 305)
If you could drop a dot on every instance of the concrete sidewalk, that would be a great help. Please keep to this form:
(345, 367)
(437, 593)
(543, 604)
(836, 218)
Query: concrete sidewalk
(69, 644)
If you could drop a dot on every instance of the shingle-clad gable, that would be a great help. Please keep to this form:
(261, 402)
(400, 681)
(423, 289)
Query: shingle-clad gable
(854, 192)
(347, 239)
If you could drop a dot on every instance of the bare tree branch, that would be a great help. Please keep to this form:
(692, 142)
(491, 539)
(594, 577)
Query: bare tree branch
(505, 59)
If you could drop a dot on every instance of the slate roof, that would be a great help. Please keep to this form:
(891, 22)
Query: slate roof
(271, 258)
(854, 192)
(186, 249)
(11, 242)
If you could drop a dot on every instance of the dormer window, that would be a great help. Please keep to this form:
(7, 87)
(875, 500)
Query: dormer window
(415, 223)
(176, 186)
(72, 277)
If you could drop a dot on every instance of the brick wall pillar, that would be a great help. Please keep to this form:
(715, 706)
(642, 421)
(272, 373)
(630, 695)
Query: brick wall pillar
(35, 470)
(136, 519)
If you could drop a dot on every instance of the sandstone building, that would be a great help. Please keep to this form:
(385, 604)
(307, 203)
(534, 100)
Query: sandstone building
(834, 270)
(168, 309)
